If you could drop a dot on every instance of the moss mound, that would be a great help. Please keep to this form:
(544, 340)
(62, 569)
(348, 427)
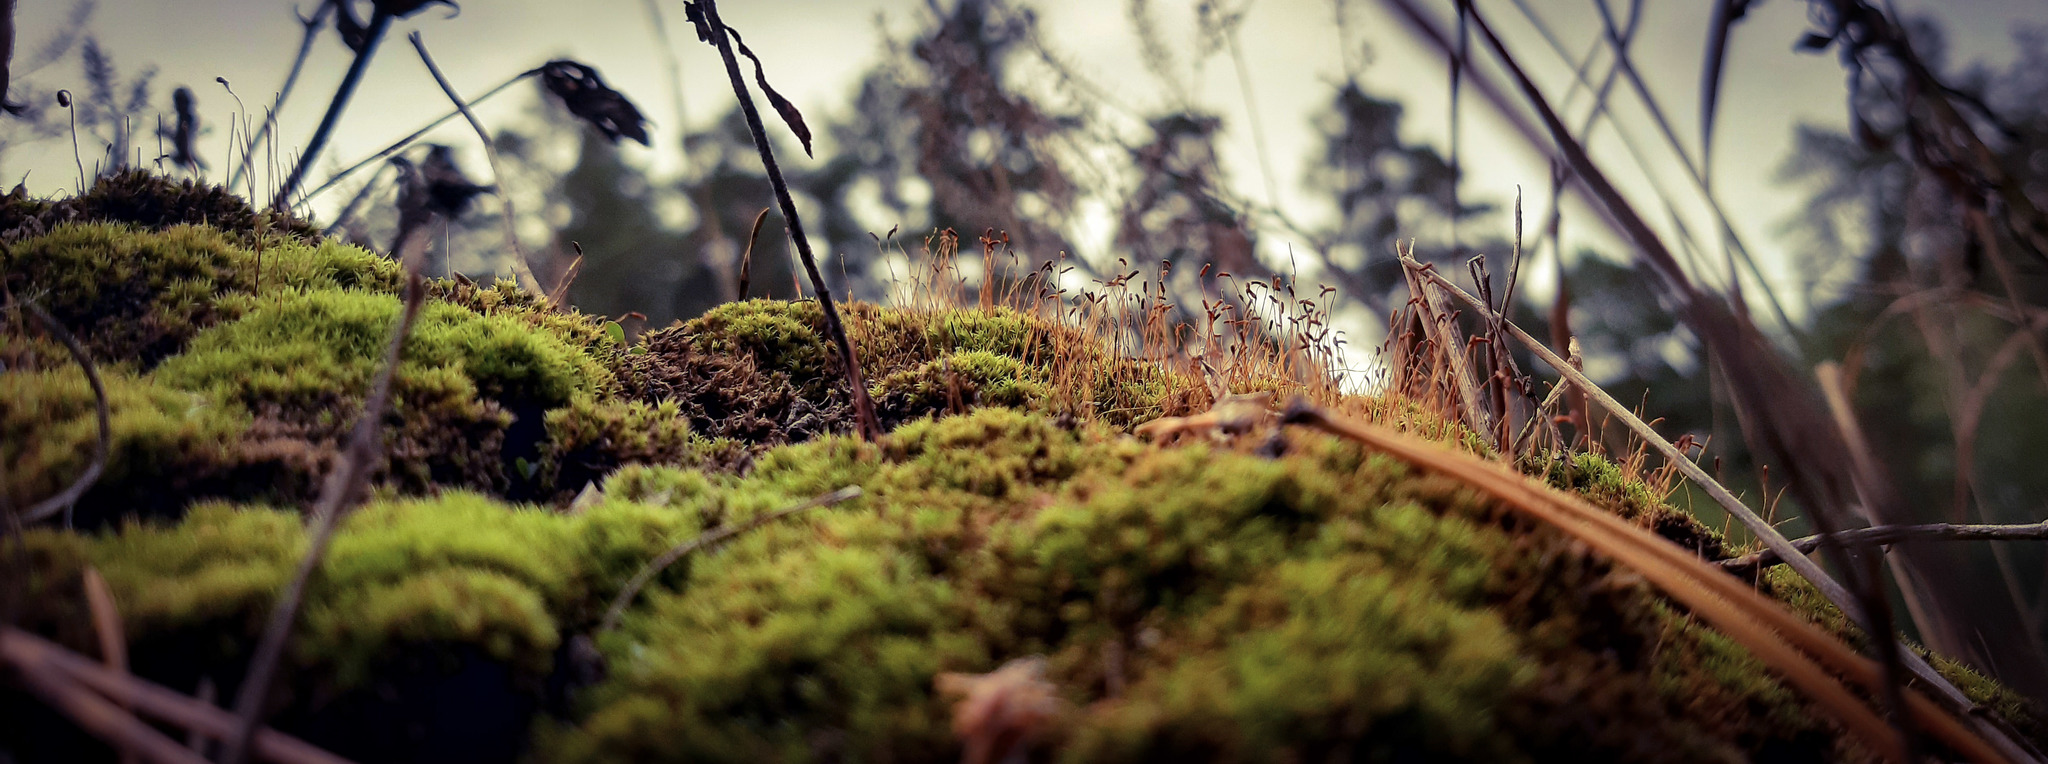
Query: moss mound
(1014, 544)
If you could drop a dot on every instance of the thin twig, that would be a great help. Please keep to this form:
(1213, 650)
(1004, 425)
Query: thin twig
(400, 144)
(380, 20)
(345, 481)
(863, 406)
(21, 648)
(520, 267)
(64, 499)
(679, 551)
(1886, 535)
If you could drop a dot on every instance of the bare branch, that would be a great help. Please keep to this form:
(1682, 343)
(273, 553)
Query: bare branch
(1886, 535)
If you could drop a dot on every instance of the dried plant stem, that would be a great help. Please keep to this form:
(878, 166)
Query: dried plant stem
(312, 25)
(373, 34)
(106, 624)
(20, 648)
(1892, 534)
(679, 551)
(1777, 637)
(1762, 529)
(400, 144)
(103, 719)
(520, 267)
(64, 499)
(863, 407)
(351, 470)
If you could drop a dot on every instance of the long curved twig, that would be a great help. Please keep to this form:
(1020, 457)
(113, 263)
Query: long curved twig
(679, 551)
(64, 499)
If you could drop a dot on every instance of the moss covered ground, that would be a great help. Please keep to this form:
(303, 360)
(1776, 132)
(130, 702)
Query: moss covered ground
(1206, 601)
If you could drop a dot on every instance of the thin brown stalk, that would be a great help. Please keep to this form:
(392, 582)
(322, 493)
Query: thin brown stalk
(21, 648)
(657, 565)
(1764, 531)
(104, 720)
(1779, 638)
(64, 499)
(344, 482)
(714, 28)
(1887, 535)
(106, 624)
(520, 268)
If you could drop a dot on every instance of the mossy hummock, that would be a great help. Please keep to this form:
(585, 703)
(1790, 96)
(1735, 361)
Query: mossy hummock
(1200, 601)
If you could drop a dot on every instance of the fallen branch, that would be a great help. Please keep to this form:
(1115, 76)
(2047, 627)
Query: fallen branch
(1886, 535)
(679, 551)
(64, 499)
(78, 673)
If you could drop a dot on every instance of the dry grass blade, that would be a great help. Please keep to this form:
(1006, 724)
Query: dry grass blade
(351, 471)
(679, 551)
(1726, 13)
(747, 257)
(64, 499)
(520, 267)
(311, 26)
(1769, 631)
(1761, 528)
(22, 648)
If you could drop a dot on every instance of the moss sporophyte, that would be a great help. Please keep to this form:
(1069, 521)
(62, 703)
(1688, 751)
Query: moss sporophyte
(1020, 573)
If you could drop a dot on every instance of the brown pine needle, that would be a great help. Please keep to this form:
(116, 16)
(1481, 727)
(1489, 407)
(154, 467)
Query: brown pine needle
(1765, 627)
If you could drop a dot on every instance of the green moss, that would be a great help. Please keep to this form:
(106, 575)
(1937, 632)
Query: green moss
(590, 439)
(400, 578)
(313, 349)
(1603, 483)
(784, 337)
(139, 198)
(166, 443)
(136, 296)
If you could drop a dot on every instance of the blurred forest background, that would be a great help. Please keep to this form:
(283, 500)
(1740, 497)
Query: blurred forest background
(1918, 273)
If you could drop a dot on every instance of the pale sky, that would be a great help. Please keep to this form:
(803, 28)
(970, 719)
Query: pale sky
(816, 51)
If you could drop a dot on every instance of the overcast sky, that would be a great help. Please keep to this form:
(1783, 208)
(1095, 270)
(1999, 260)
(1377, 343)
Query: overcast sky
(816, 51)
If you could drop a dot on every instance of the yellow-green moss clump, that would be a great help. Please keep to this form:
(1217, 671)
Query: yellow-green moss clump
(1192, 602)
